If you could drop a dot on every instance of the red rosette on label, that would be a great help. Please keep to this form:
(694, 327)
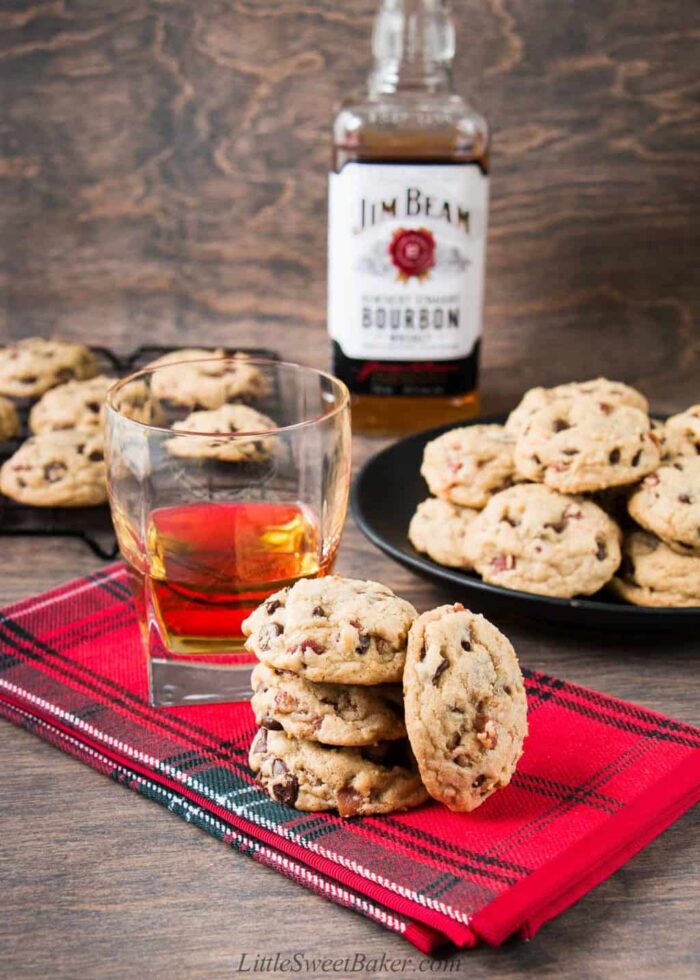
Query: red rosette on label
(412, 251)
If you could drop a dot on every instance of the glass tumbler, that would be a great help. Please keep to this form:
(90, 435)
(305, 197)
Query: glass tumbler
(217, 505)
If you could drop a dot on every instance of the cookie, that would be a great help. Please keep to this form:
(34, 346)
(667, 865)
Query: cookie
(651, 574)
(228, 419)
(63, 469)
(32, 366)
(466, 709)
(438, 529)
(682, 433)
(585, 444)
(533, 539)
(611, 392)
(468, 465)
(9, 420)
(74, 405)
(333, 630)
(185, 379)
(668, 504)
(334, 714)
(309, 776)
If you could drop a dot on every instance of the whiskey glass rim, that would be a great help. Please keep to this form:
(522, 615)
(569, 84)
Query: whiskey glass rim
(343, 400)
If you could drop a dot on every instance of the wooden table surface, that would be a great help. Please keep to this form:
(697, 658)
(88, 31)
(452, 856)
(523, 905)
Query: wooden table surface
(97, 882)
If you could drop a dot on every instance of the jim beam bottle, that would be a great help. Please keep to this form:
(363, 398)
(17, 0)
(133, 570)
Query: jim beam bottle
(408, 207)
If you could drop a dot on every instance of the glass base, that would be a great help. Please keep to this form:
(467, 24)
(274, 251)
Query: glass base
(173, 682)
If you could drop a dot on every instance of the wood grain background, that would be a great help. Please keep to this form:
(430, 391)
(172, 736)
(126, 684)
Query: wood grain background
(163, 174)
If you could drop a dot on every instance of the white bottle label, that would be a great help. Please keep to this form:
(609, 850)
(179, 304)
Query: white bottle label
(406, 260)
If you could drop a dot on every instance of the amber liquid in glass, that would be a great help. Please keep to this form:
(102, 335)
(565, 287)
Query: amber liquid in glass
(210, 564)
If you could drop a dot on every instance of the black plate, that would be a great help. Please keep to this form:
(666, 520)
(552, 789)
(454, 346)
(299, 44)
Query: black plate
(387, 491)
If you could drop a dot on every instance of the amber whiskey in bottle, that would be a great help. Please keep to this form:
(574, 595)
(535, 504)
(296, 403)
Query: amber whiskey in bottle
(408, 208)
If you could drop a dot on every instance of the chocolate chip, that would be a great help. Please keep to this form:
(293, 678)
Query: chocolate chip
(259, 742)
(267, 635)
(601, 551)
(421, 655)
(507, 689)
(510, 520)
(462, 760)
(272, 605)
(537, 459)
(349, 802)
(287, 790)
(635, 459)
(466, 645)
(363, 642)
(271, 724)
(442, 667)
(614, 456)
(96, 456)
(93, 406)
(65, 374)
(54, 472)
(453, 741)
(560, 425)
(557, 526)
(479, 781)
(605, 408)
(570, 452)
(684, 498)
(29, 379)
(319, 611)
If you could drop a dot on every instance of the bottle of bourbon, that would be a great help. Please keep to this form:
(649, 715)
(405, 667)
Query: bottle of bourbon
(408, 207)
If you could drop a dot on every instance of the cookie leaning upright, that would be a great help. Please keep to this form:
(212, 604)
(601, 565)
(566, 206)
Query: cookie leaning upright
(466, 709)
(334, 630)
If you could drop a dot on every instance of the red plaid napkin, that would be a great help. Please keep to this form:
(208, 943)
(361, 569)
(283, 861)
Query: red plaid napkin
(599, 779)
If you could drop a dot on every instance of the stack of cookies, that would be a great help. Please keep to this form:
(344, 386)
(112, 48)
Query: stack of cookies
(62, 462)
(548, 502)
(329, 702)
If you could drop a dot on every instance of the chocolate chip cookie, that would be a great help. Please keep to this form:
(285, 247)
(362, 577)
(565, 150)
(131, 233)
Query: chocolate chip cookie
(201, 379)
(228, 419)
(309, 776)
(533, 539)
(74, 405)
(438, 529)
(586, 444)
(611, 392)
(682, 433)
(333, 630)
(334, 714)
(9, 420)
(651, 574)
(32, 366)
(63, 469)
(466, 466)
(466, 709)
(668, 504)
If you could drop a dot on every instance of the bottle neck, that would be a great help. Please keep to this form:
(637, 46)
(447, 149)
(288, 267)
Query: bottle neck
(413, 45)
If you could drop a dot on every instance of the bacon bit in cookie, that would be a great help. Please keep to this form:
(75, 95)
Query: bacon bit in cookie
(310, 644)
(457, 607)
(503, 563)
(605, 408)
(272, 605)
(488, 735)
(560, 425)
(572, 512)
(442, 667)
(319, 612)
(560, 466)
(454, 466)
(614, 456)
(684, 498)
(284, 701)
(601, 551)
(652, 480)
(349, 802)
(635, 459)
